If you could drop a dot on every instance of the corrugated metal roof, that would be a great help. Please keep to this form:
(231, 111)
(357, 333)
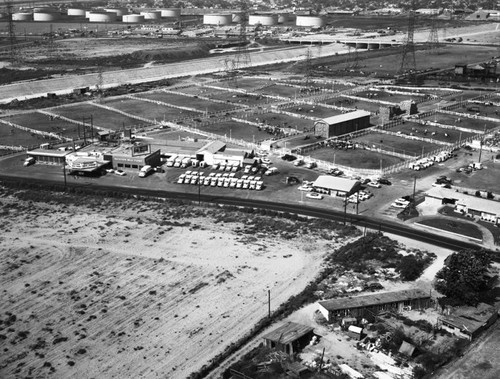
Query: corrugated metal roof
(373, 299)
(335, 183)
(470, 319)
(288, 332)
(345, 117)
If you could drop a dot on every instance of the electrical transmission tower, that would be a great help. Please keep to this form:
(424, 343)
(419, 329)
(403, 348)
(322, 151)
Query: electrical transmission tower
(352, 58)
(99, 84)
(408, 63)
(433, 40)
(12, 35)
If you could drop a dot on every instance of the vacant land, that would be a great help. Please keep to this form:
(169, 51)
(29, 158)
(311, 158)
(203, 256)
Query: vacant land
(128, 289)
(387, 142)
(45, 123)
(192, 102)
(471, 123)
(358, 158)
(10, 136)
(101, 117)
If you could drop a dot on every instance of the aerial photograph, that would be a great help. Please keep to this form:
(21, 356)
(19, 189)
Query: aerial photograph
(248, 189)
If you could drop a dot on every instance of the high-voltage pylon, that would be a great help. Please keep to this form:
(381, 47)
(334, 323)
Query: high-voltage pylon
(433, 40)
(408, 62)
(12, 35)
(352, 58)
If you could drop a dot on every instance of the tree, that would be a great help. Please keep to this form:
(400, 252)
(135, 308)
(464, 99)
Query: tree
(462, 279)
(410, 268)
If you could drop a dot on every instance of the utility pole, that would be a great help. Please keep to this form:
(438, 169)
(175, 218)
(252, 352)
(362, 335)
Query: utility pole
(269, 303)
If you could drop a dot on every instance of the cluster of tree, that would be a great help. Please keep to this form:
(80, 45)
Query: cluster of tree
(464, 279)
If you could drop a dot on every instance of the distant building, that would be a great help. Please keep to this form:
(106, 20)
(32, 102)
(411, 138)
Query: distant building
(468, 322)
(484, 15)
(342, 124)
(335, 186)
(368, 306)
(289, 338)
(49, 156)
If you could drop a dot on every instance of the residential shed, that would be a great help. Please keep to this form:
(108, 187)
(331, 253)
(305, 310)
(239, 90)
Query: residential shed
(468, 322)
(289, 337)
(342, 124)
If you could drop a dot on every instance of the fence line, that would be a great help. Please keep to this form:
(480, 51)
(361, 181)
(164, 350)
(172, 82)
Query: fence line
(35, 131)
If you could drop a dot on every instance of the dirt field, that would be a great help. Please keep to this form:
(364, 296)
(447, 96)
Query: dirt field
(120, 289)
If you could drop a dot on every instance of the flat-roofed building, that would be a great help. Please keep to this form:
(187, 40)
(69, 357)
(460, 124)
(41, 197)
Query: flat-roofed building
(342, 124)
(335, 186)
(49, 156)
(471, 206)
(368, 306)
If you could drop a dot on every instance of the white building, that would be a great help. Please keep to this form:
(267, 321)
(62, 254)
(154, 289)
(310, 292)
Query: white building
(335, 186)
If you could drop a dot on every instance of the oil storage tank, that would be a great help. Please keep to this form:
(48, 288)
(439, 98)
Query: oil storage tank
(237, 17)
(46, 16)
(76, 12)
(217, 19)
(151, 15)
(120, 12)
(171, 12)
(263, 19)
(102, 17)
(22, 16)
(310, 21)
(133, 18)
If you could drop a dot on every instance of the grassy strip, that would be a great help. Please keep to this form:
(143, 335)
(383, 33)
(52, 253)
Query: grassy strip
(454, 226)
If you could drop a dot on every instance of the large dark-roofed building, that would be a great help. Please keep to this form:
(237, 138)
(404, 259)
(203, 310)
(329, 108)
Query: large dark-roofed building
(335, 186)
(342, 124)
(289, 337)
(367, 306)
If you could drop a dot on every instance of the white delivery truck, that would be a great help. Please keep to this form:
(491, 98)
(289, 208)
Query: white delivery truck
(145, 171)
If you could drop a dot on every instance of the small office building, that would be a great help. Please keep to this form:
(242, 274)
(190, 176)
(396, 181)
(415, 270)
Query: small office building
(335, 186)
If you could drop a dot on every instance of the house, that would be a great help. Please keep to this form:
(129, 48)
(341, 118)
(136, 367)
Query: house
(335, 186)
(342, 124)
(368, 306)
(467, 321)
(289, 338)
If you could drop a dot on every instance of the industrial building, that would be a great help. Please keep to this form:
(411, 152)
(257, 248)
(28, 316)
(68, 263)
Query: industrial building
(467, 321)
(471, 206)
(335, 186)
(263, 19)
(310, 21)
(289, 338)
(368, 306)
(342, 124)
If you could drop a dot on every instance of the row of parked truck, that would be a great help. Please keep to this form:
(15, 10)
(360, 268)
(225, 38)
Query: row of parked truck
(424, 163)
(226, 180)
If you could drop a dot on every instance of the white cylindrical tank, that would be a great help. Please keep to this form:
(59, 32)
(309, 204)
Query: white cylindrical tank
(151, 15)
(310, 21)
(217, 19)
(120, 12)
(46, 16)
(76, 12)
(282, 18)
(263, 19)
(22, 16)
(171, 12)
(133, 18)
(102, 17)
(45, 10)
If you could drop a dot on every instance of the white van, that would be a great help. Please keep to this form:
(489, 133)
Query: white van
(29, 161)
(145, 171)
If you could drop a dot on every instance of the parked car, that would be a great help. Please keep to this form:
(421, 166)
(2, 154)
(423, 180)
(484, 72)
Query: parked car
(314, 195)
(120, 172)
(373, 184)
(385, 182)
(305, 188)
(399, 205)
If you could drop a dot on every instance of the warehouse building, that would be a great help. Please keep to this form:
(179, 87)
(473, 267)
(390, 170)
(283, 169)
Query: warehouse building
(342, 124)
(335, 186)
(289, 338)
(368, 306)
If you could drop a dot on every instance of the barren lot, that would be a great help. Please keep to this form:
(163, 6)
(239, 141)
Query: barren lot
(125, 289)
